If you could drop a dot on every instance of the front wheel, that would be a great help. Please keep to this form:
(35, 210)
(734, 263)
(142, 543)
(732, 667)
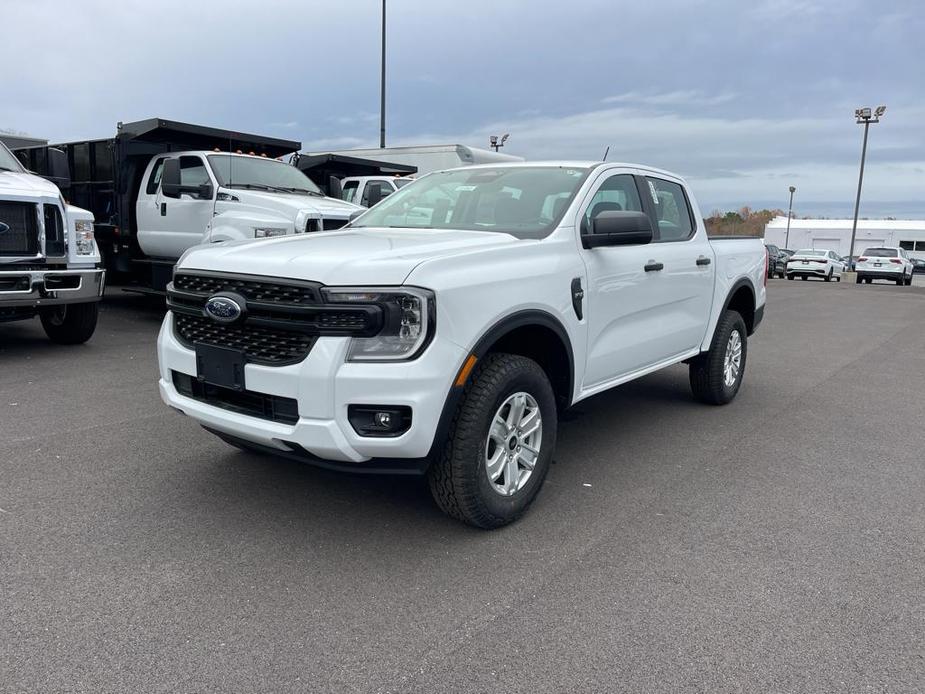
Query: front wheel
(500, 445)
(70, 324)
(716, 375)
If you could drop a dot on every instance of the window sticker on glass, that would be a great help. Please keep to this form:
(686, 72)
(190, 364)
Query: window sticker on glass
(463, 189)
(654, 193)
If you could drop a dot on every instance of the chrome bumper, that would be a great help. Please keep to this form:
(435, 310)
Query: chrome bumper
(50, 287)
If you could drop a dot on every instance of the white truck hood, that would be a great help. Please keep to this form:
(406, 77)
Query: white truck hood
(361, 256)
(26, 184)
(290, 205)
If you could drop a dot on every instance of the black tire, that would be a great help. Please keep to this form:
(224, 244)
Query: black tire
(706, 371)
(869, 280)
(459, 480)
(909, 280)
(858, 279)
(828, 278)
(70, 324)
(789, 277)
(901, 281)
(804, 278)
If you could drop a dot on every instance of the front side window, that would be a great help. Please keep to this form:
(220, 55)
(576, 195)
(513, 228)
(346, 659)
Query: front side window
(236, 171)
(617, 193)
(671, 210)
(193, 172)
(524, 201)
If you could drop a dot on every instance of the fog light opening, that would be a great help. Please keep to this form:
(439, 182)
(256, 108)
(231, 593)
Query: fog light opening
(379, 420)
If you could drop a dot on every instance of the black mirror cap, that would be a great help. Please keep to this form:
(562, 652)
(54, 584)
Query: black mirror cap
(170, 178)
(618, 228)
(373, 194)
(335, 189)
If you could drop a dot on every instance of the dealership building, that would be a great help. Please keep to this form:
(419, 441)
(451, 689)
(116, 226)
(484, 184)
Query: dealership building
(835, 234)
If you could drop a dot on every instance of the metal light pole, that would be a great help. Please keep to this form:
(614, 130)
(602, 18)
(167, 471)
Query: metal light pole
(864, 116)
(789, 215)
(382, 86)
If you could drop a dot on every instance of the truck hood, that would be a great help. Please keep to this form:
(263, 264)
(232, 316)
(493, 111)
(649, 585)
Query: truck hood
(15, 182)
(362, 256)
(290, 205)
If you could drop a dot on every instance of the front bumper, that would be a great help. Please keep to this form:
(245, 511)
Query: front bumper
(324, 385)
(38, 288)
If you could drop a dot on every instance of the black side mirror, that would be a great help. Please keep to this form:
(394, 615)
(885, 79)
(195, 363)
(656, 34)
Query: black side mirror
(354, 215)
(373, 194)
(58, 170)
(335, 189)
(205, 191)
(617, 228)
(170, 178)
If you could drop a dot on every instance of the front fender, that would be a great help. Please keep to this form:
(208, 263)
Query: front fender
(240, 225)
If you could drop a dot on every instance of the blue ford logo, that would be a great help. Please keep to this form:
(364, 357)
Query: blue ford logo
(223, 309)
(4, 227)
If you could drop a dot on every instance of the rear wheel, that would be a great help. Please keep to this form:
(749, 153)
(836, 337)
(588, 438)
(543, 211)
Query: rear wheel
(901, 281)
(828, 278)
(804, 278)
(909, 280)
(70, 324)
(500, 446)
(789, 277)
(858, 279)
(716, 375)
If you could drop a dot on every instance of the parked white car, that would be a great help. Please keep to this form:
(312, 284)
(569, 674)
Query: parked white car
(444, 330)
(885, 263)
(815, 262)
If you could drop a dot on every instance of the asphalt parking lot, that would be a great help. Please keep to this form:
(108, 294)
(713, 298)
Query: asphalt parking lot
(776, 544)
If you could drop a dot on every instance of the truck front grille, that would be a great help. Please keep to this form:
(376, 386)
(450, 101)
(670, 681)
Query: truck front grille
(19, 235)
(280, 319)
(259, 345)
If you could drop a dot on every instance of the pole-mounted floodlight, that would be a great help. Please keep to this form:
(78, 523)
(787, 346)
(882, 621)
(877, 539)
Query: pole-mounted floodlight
(862, 116)
(497, 144)
(789, 215)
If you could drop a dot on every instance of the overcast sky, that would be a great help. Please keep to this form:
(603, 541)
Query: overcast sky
(743, 97)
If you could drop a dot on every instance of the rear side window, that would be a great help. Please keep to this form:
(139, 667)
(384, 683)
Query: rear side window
(671, 210)
(880, 252)
(617, 193)
(350, 190)
(154, 180)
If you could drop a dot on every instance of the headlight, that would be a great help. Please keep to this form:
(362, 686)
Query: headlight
(408, 322)
(84, 233)
(267, 232)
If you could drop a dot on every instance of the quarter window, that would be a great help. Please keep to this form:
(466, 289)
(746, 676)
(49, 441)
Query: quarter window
(155, 179)
(617, 193)
(671, 210)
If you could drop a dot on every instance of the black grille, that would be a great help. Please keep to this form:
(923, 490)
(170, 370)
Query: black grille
(54, 231)
(20, 235)
(254, 290)
(332, 224)
(272, 407)
(261, 345)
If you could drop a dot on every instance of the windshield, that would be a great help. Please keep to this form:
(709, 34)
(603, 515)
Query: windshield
(810, 251)
(7, 161)
(881, 252)
(266, 174)
(524, 201)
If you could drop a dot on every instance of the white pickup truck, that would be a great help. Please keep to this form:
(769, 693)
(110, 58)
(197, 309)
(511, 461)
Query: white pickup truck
(445, 329)
(49, 261)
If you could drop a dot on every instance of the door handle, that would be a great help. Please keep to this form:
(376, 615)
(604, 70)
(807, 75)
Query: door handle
(163, 209)
(652, 266)
(703, 260)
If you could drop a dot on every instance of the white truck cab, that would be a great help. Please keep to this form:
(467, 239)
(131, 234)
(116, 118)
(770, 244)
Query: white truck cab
(357, 189)
(49, 260)
(189, 198)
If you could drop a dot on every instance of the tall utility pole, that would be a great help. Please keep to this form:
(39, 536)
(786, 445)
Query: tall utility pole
(789, 215)
(382, 86)
(862, 115)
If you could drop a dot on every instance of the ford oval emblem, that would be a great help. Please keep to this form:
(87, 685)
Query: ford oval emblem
(4, 228)
(223, 309)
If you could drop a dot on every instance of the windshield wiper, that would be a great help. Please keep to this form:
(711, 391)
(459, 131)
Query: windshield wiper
(259, 186)
(6, 168)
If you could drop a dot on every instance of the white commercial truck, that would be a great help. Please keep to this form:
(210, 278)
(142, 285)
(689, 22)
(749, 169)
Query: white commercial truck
(447, 327)
(160, 187)
(49, 261)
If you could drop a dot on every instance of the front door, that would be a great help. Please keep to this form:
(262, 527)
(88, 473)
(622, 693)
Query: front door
(169, 226)
(626, 325)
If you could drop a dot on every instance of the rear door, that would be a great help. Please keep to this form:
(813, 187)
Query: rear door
(169, 226)
(683, 249)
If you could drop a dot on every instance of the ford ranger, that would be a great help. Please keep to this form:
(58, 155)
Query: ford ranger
(444, 330)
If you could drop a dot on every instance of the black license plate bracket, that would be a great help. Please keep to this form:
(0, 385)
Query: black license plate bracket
(220, 366)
